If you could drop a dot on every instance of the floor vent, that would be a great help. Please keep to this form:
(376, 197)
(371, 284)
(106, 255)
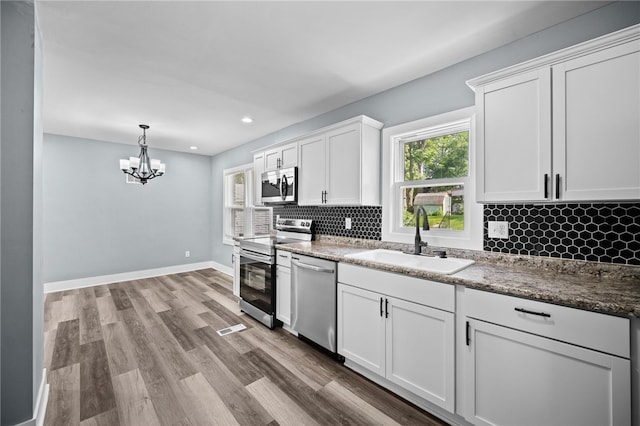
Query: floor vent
(232, 329)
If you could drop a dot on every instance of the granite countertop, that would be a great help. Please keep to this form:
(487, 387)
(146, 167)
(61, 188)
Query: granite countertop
(608, 289)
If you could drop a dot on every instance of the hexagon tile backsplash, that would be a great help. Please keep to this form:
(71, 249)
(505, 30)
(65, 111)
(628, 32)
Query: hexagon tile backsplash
(608, 233)
(366, 221)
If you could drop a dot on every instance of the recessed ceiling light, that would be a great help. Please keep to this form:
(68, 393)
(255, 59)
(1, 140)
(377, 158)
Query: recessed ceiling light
(193, 147)
(247, 120)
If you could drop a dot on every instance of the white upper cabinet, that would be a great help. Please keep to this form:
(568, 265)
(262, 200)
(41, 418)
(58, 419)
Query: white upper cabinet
(281, 157)
(337, 165)
(596, 106)
(514, 137)
(273, 158)
(258, 168)
(312, 169)
(340, 164)
(563, 127)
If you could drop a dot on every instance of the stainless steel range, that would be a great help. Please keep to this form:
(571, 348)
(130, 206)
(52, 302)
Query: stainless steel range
(258, 267)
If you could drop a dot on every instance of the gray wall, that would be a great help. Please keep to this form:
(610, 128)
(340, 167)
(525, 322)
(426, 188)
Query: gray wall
(38, 283)
(20, 150)
(96, 224)
(432, 94)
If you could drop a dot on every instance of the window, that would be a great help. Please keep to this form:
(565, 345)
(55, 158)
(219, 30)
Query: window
(240, 217)
(427, 164)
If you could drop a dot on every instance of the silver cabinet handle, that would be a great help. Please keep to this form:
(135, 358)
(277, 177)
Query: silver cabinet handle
(311, 267)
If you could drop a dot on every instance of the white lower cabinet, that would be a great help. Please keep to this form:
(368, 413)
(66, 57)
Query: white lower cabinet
(283, 287)
(361, 327)
(518, 361)
(235, 260)
(420, 351)
(515, 377)
(407, 343)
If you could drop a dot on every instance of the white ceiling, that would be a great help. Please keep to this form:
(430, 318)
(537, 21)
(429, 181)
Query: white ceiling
(192, 70)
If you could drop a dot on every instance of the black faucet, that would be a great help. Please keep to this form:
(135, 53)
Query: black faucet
(418, 241)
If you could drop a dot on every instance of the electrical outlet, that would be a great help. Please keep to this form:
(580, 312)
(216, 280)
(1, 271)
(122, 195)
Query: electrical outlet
(499, 229)
(347, 223)
(187, 253)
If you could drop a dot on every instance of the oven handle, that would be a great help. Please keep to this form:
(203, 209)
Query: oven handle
(311, 267)
(256, 256)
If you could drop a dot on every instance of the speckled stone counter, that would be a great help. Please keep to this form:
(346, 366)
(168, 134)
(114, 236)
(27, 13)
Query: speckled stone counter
(585, 285)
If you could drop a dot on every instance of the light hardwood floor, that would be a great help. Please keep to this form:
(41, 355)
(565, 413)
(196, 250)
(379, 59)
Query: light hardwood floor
(146, 352)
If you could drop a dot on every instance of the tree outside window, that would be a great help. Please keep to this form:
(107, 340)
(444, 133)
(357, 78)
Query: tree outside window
(431, 166)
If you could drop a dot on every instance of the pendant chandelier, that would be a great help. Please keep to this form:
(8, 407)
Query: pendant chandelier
(141, 167)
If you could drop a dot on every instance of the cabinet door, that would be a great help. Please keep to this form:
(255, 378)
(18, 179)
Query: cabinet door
(514, 138)
(344, 165)
(289, 155)
(420, 351)
(271, 159)
(596, 102)
(361, 327)
(516, 378)
(283, 294)
(258, 168)
(311, 170)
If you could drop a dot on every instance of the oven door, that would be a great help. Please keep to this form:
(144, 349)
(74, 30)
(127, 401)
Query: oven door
(279, 186)
(257, 279)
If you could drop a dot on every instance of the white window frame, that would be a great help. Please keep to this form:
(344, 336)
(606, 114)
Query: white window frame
(393, 182)
(249, 208)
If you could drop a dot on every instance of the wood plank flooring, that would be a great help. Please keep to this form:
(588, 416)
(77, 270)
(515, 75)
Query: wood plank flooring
(146, 352)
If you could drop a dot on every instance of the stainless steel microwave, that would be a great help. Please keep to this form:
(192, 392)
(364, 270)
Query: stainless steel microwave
(280, 186)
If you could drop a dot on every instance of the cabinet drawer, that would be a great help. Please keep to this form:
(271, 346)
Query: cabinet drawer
(424, 292)
(283, 258)
(605, 333)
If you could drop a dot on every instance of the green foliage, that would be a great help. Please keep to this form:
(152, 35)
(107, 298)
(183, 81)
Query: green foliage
(454, 221)
(436, 158)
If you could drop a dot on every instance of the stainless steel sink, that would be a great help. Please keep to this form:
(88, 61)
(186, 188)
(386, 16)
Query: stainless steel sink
(446, 266)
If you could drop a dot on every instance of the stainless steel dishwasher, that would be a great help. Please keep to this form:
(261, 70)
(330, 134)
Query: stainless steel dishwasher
(313, 300)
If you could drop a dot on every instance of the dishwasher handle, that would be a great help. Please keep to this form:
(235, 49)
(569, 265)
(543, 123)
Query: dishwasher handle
(311, 267)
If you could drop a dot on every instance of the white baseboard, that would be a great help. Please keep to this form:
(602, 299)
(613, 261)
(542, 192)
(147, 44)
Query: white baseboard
(40, 409)
(222, 268)
(135, 275)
